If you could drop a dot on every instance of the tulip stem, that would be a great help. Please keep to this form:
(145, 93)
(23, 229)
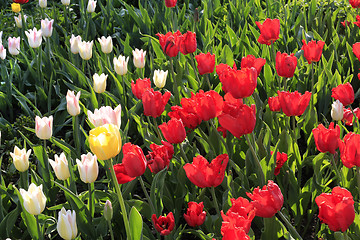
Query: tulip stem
(193, 66)
(183, 153)
(157, 129)
(356, 119)
(24, 179)
(38, 227)
(339, 176)
(109, 164)
(91, 200)
(206, 76)
(343, 127)
(147, 195)
(212, 189)
(290, 227)
(175, 87)
(219, 136)
(111, 230)
(259, 168)
(75, 120)
(285, 83)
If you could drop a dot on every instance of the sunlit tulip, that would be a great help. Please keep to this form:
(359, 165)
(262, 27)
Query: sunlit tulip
(43, 3)
(18, 20)
(72, 103)
(14, 45)
(120, 65)
(106, 44)
(2, 52)
(91, 6)
(85, 49)
(74, 43)
(66, 225)
(105, 115)
(337, 111)
(43, 127)
(160, 78)
(65, 2)
(105, 141)
(108, 211)
(34, 37)
(15, 7)
(139, 58)
(47, 27)
(60, 166)
(100, 82)
(21, 158)
(88, 168)
(34, 199)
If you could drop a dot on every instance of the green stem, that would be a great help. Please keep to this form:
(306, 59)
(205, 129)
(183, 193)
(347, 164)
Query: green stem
(91, 200)
(290, 227)
(38, 227)
(206, 76)
(215, 201)
(219, 136)
(76, 129)
(193, 66)
(183, 153)
(339, 176)
(175, 87)
(66, 20)
(343, 127)
(257, 162)
(157, 129)
(285, 83)
(109, 164)
(24, 180)
(111, 230)
(147, 195)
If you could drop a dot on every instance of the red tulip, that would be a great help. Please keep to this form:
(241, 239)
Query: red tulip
(188, 43)
(205, 174)
(312, 50)
(356, 49)
(268, 200)
(274, 104)
(189, 118)
(141, 86)
(121, 174)
(336, 209)
(357, 23)
(235, 233)
(326, 140)
(154, 103)
(250, 61)
(164, 225)
(350, 150)
(206, 63)
(240, 83)
(285, 64)
(222, 67)
(355, 3)
(170, 42)
(344, 93)
(237, 118)
(345, 23)
(269, 31)
(281, 158)
(195, 216)
(160, 156)
(222, 130)
(293, 103)
(173, 131)
(208, 104)
(20, 1)
(349, 116)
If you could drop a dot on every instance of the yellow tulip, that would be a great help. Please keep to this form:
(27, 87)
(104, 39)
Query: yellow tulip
(15, 7)
(105, 141)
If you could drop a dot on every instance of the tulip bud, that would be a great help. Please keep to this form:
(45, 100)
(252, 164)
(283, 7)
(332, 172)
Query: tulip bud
(21, 159)
(43, 3)
(105, 115)
(74, 43)
(66, 225)
(18, 20)
(2, 52)
(139, 58)
(14, 45)
(15, 7)
(160, 78)
(60, 166)
(100, 82)
(43, 127)
(337, 111)
(34, 199)
(85, 50)
(91, 6)
(65, 2)
(106, 44)
(72, 103)
(88, 168)
(34, 37)
(120, 65)
(108, 211)
(47, 27)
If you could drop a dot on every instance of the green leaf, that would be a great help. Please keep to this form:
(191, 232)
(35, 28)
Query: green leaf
(136, 224)
(156, 191)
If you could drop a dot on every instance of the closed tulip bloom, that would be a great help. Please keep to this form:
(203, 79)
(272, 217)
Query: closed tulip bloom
(106, 44)
(15, 7)
(285, 64)
(350, 150)
(195, 216)
(344, 93)
(326, 140)
(355, 3)
(188, 43)
(356, 49)
(164, 224)
(293, 103)
(43, 127)
(250, 61)
(170, 3)
(47, 27)
(139, 58)
(269, 31)
(312, 50)
(34, 199)
(65, 2)
(72, 103)
(337, 111)
(88, 168)
(21, 158)
(100, 82)
(108, 211)
(14, 45)
(188, 116)
(206, 63)
(18, 20)
(85, 49)
(154, 102)
(160, 156)
(141, 86)
(43, 3)
(160, 78)
(170, 43)
(336, 209)
(205, 174)
(34, 37)
(106, 115)
(74, 43)
(66, 225)
(348, 117)
(120, 65)
(60, 166)
(105, 141)
(274, 104)
(91, 6)
(2, 52)
(281, 158)
(173, 131)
